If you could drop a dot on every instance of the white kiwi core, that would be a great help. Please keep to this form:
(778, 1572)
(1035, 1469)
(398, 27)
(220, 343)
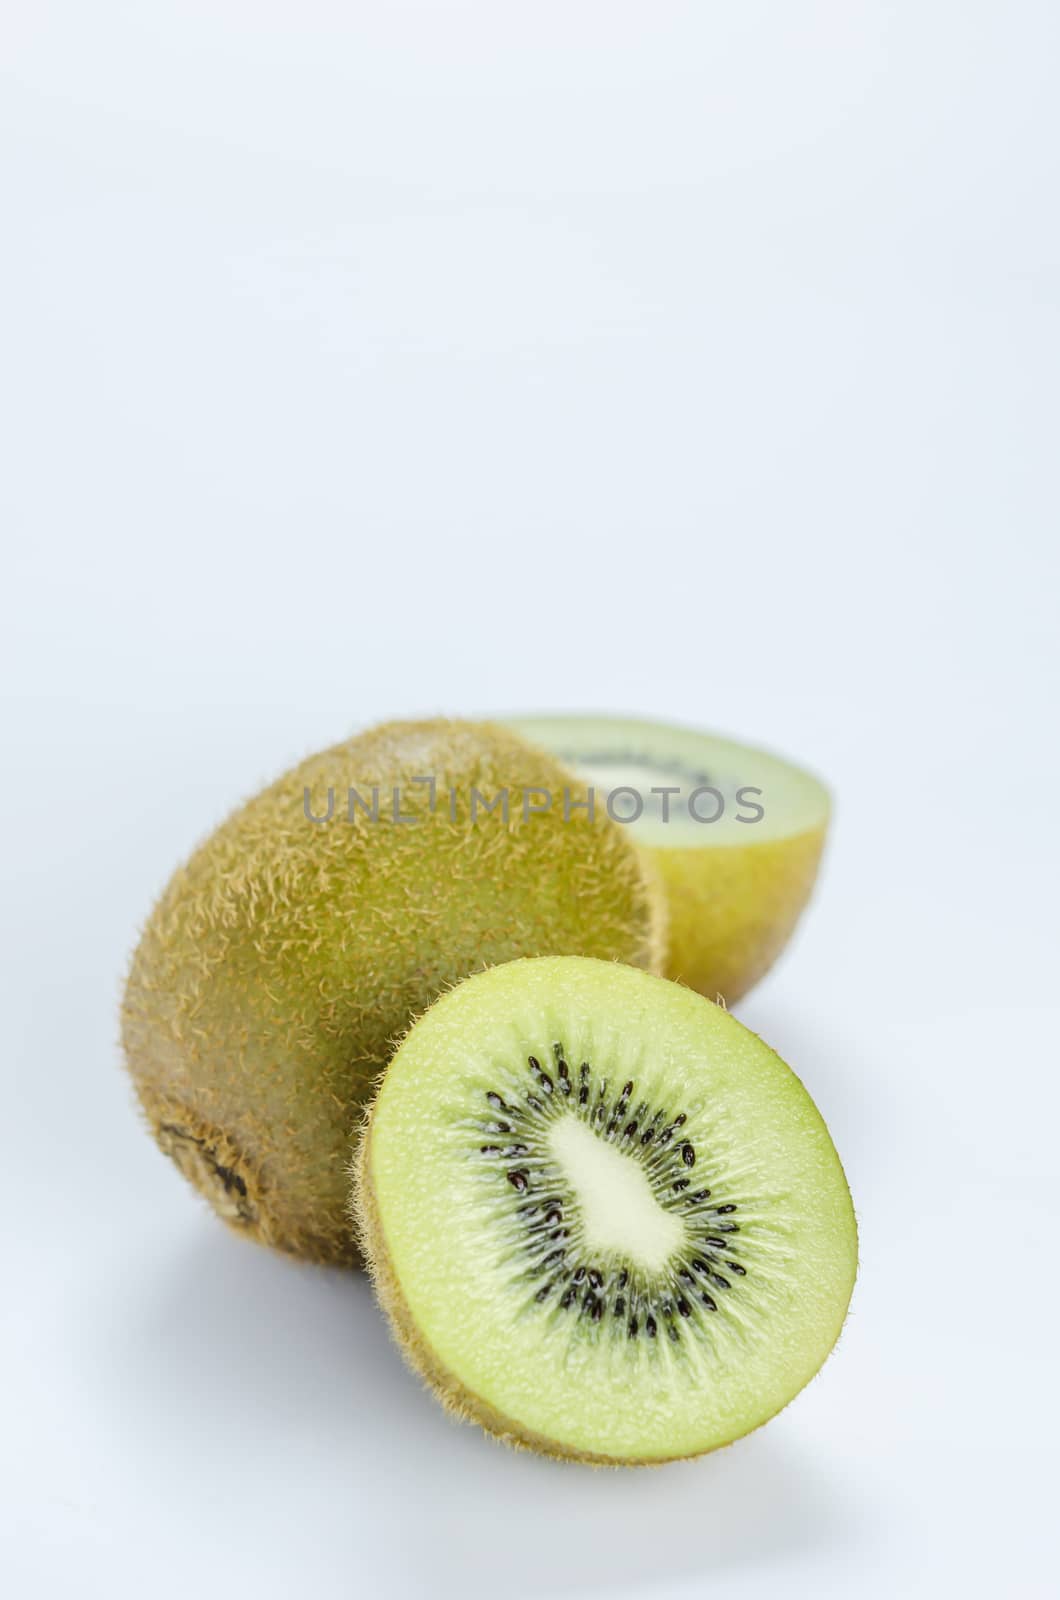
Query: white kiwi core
(620, 1215)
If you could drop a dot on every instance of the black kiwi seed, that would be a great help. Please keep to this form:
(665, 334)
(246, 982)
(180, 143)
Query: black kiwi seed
(688, 1287)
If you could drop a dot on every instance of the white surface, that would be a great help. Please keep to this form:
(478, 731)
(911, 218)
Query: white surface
(687, 360)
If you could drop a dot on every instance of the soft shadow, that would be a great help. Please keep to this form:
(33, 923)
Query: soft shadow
(557, 1528)
(267, 1396)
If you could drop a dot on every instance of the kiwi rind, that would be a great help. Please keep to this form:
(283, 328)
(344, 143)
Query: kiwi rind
(733, 910)
(732, 905)
(634, 994)
(455, 1397)
(458, 1400)
(285, 959)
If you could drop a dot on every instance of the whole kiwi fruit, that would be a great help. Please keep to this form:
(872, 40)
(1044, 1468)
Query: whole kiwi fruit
(287, 956)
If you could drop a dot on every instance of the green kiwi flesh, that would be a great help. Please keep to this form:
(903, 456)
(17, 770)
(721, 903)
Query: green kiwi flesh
(605, 1219)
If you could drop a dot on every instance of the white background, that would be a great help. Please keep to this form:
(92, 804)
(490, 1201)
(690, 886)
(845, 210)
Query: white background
(684, 359)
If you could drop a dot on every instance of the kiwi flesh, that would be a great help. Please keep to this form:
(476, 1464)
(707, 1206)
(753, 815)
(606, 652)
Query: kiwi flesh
(734, 834)
(605, 1220)
(286, 958)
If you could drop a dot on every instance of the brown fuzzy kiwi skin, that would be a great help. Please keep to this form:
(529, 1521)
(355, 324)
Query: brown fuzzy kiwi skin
(285, 959)
(455, 1397)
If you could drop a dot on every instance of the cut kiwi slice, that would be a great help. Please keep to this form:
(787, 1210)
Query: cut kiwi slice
(605, 1220)
(735, 835)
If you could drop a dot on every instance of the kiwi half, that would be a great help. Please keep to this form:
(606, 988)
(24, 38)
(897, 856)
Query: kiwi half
(605, 1220)
(285, 959)
(736, 840)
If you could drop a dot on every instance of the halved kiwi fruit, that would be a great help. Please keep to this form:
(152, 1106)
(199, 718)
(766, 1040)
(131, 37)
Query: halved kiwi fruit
(605, 1219)
(286, 958)
(734, 833)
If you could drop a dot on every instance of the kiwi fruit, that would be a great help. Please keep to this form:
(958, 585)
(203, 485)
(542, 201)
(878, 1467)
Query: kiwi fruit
(734, 834)
(285, 959)
(605, 1220)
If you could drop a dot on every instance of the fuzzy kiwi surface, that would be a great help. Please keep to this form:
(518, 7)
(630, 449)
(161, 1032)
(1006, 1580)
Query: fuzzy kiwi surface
(285, 959)
(735, 835)
(605, 1220)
